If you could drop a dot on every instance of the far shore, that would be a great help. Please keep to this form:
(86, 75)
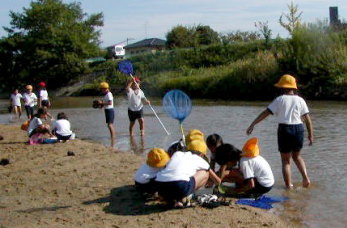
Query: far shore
(44, 187)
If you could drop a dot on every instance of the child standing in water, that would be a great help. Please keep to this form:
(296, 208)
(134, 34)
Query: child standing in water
(289, 108)
(107, 103)
(135, 108)
(16, 104)
(30, 101)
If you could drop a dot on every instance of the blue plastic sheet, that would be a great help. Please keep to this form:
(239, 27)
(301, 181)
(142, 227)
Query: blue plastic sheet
(264, 202)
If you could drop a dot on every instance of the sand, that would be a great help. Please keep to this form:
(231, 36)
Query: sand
(43, 187)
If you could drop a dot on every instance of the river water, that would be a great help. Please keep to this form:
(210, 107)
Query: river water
(322, 205)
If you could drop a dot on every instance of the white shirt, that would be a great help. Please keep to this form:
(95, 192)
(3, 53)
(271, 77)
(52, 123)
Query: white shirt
(108, 97)
(288, 109)
(34, 123)
(43, 94)
(258, 168)
(145, 173)
(135, 99)
(15, 98)
(181, 167)
(30, 99)
(62, 127)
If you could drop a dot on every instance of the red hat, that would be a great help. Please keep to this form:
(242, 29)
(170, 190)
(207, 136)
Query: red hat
(137, 79)
(42, 84)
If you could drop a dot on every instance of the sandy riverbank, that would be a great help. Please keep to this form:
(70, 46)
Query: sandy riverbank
(43, 187)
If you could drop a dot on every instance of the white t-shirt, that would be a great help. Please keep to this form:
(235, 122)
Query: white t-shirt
(288, 109)
(30, 99)
(145, 173)
(258, 168)
(108, 97)
(135, 99)
(34, 123)
(15, 98)
(62, 127)
(181, 167)
(43, 94)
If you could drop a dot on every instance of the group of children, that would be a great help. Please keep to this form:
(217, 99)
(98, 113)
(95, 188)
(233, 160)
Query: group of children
(35, 125)
(176, 174)
(30, 100)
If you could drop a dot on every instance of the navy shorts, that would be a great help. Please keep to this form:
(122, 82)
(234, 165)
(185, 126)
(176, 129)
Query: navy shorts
(176, 190)
(109, 114)
(150, 187)
(61, 137)
(290, 137)
(258, 190)
(29, 110)
(45, 103)
(133, 115)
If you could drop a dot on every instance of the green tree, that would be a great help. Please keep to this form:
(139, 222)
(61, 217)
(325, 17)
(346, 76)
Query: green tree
(265, 30)
(293, 18)
(180, 37)
(206, 35)
(49, 41)
(239, 36)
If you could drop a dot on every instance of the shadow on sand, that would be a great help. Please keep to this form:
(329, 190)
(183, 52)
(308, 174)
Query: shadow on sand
(126, 200)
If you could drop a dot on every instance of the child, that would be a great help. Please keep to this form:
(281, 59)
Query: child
(30, 101)
(213, 141)
(15, 102)
(107, 103)
(254, 177)
(185, 173)
(61, 127)
(135, 108)
(157, 158)
(43, 96)
(36, 125)
(289, 108)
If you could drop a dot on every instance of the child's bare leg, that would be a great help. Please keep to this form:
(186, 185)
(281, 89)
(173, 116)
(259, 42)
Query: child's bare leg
(287, 175)
(201, 178)
(299, 162)
(19, 111)
(112, 133)
(131, 127)
(141, 123)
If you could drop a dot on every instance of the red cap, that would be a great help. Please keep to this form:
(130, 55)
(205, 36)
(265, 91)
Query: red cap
(137, 79)
(42, 84)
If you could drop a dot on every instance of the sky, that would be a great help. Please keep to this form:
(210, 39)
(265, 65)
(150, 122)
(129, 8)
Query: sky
(135, 20)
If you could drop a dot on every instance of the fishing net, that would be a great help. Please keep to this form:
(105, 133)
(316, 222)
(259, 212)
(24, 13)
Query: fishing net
(125, 67)
(177, 104)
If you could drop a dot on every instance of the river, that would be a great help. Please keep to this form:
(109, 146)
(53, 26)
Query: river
(322, 205)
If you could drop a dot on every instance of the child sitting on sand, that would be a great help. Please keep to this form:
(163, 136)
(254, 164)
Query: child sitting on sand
(144, 177)
(254, 177)
(62, 127)
(36, 125)
(185, 173)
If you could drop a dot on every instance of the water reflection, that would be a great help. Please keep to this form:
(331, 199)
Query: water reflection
(137, 147)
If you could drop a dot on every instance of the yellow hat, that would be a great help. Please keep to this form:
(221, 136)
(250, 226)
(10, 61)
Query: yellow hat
(29, 87)
(157, 157)
(104, 85)
(197, 145)
(251, 148)
(287, 81)
(194, 134)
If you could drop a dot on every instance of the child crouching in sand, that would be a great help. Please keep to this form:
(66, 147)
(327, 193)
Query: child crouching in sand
(62, 127)
(37, 126)
(157, 158)
(254, 177)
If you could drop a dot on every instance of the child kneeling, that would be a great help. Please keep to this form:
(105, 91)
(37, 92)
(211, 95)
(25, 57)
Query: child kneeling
(254, 176)
(157, 158)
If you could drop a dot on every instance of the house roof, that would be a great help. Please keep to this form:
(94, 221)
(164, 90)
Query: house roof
(152, 42)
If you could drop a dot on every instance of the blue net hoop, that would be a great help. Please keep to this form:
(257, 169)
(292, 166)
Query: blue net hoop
(125, 67)
(177, 104)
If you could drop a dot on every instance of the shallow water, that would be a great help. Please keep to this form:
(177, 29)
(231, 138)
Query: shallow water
(323, 205)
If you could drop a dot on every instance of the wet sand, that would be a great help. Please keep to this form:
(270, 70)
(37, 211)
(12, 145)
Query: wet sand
(43, 187)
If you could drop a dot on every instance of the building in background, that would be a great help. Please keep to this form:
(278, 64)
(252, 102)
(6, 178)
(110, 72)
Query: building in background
(151, 45)
(335, 22)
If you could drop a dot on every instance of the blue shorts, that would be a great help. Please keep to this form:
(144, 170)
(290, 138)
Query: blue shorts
(258, 190)
(150, 187)
(176, 190)
(290, 137)
(29, 110)
(109, 114)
